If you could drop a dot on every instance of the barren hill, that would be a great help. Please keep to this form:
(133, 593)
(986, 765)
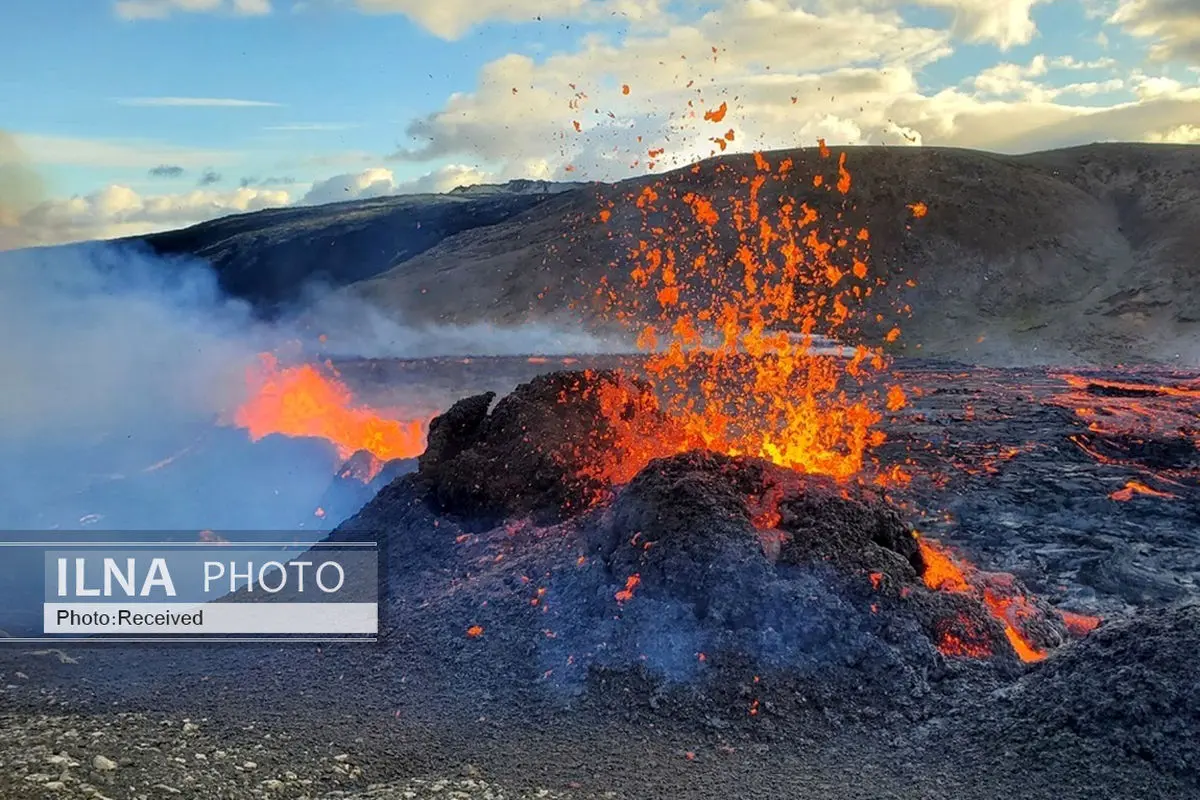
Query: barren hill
(1087, 253)
(268, 256)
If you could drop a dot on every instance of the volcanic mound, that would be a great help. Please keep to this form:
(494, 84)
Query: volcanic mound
(550, 448)
(523, 551)
(1131, 686)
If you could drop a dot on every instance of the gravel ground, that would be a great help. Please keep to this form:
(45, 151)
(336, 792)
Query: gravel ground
(429, 713)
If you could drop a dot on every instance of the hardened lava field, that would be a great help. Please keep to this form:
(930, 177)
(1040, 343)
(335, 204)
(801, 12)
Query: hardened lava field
(1011, 575)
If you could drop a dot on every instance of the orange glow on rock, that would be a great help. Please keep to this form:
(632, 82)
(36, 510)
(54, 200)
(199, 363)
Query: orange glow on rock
(631, 583)
(1131, 488)
(1079, 624)
(946, 574)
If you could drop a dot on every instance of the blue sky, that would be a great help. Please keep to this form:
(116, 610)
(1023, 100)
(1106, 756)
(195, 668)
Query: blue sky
(355, 79)
(312, 100)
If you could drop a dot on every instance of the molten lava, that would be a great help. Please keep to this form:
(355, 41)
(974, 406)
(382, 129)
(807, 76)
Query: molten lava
(1137, 487)
(303, 401)
(1079, 624)
(734, 339)
(1145, 425)
(631, 583)
(946, 574)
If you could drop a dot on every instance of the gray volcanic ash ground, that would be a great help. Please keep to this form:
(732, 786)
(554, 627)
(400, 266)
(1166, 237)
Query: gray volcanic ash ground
(782, 635)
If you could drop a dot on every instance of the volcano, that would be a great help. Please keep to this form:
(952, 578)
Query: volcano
(745, 558)
(770, 555)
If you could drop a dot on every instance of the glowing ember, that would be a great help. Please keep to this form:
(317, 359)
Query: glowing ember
(951, 645)
(1079, 624)
(631, 583)
(301, 401)
(733, 339)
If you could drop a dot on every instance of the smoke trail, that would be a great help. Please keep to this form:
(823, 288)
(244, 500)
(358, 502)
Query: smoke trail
(117, 364)
(20, 190)
(353, 327)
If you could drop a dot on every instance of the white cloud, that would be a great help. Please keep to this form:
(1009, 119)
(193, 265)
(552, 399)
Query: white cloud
(1174, 25)
(1003, 22)
(1070, 62)
(120, 211)
(161, 9)
(373, 182)
(1180, 134)
(450, 19)
(1017, 80)
(381, 182)
(1009, 79)
(788, 76)
(195, 102)
(70, 151)
(522, 113)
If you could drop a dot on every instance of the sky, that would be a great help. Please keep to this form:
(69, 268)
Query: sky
(130, 116)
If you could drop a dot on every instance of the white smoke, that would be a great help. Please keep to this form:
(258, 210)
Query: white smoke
(122, 369)
(353, 328)
(100, 339)
(116, 363)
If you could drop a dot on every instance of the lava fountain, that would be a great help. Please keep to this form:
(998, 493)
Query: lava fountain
(737, 298)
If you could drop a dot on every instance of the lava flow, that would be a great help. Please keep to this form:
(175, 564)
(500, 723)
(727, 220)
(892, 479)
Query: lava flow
(1007, 605)
(734, 341)
(1147, 426)
(302, 401)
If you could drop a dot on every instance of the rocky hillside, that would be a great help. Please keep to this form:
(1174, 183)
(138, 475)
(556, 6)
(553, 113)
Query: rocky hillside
(269, 256)
(1087, 253)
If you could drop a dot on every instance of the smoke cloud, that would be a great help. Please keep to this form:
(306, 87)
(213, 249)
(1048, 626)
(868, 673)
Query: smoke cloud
(20, 190)
(353, 328)
(119, 363)
(123, 370)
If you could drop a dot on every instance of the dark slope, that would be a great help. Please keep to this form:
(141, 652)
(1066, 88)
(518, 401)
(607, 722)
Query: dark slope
(1087, 253)
(268, 256)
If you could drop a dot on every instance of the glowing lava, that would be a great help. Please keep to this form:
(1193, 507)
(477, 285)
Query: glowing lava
(302, 401)
(733, 338)
(1145, 425)
(1137, 487)
(1004, 601)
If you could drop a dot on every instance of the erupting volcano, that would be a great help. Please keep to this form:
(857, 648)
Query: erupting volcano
(734, 341)
(698, 459)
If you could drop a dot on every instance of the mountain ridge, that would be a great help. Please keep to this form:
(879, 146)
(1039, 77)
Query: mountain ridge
(1079, 254)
